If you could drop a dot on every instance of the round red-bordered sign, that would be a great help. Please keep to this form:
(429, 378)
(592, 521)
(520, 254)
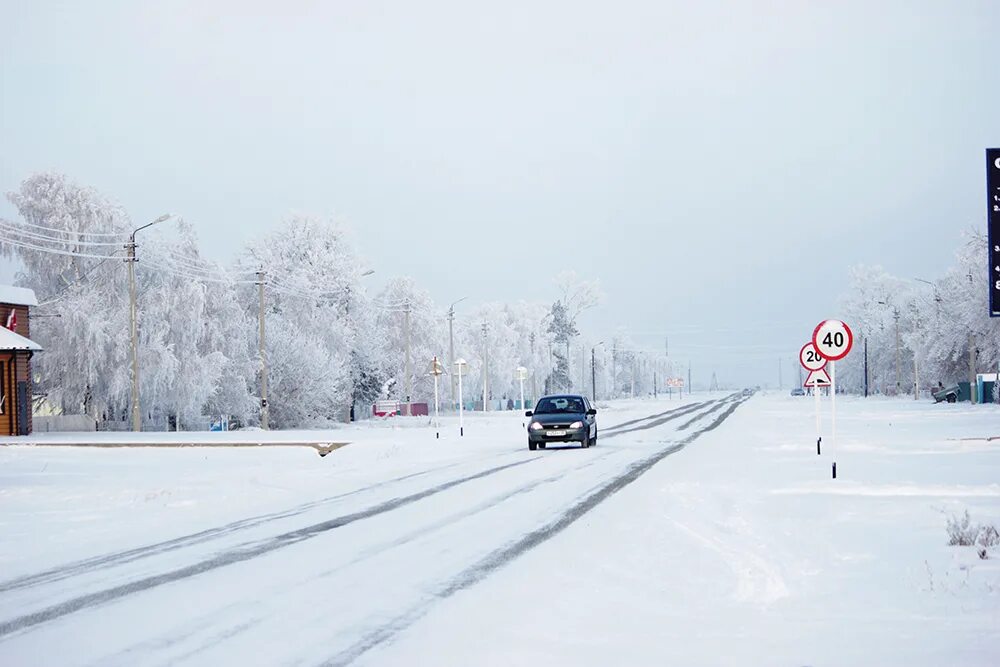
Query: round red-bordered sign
(833, 339)
(810, 358)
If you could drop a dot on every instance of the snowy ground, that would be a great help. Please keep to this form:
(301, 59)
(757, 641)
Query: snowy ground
(711, 535)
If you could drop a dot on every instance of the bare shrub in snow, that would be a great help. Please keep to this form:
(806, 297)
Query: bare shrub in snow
(961, 531)
(988, 538)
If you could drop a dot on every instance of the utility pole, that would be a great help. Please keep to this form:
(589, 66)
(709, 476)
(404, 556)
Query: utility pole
(614, 370)
(534, 388)
(631, 391)
(569, 372)
(486, 370)
(260, 351)
(451, 350)
(451, 345)
(409, 376)
(866, 366)
(973, 389)
(898, 383)
(593, 375)
(131, 260)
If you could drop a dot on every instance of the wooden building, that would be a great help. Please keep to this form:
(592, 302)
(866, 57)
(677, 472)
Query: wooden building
(16, 350)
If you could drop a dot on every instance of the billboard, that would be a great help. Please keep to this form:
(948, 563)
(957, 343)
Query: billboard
(993, 223)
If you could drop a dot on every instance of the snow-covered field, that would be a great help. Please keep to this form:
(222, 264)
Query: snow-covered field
(711, 535)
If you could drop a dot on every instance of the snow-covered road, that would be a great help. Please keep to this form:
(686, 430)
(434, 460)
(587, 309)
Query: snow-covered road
(326, 580)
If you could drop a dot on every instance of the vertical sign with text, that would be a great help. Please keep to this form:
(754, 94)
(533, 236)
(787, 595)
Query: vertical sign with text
(993, 222)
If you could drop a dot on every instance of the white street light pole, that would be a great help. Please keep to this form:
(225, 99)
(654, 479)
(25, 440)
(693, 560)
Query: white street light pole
(409, 378)
(131, 260)
(522, 373)
(460, 365)
(260, 350)
(486, 369)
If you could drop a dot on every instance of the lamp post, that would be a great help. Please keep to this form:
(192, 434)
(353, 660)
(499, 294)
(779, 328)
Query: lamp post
(521, 373)
(593, 371)
(916, 370)
(460, 365)
(486, 367)
(131, 260)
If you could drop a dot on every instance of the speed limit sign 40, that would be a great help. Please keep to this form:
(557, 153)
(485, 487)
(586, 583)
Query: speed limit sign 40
(810, 359)
(833, 339)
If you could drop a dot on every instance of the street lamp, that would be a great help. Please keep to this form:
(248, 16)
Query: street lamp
(130, 260)
(460, 366)
(521, 373)
(593, 372)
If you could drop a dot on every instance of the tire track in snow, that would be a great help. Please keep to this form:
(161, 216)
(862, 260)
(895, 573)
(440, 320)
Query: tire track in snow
(95, 563)
(510, 552)
(252, 550)
(123, 557)
(237, 555)
(632, 422)
(190, 631)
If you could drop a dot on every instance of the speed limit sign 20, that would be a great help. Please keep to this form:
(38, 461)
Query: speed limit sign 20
(833, 339)
(810, 359)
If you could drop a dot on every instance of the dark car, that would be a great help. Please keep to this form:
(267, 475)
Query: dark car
(798, 391)
(562, 418)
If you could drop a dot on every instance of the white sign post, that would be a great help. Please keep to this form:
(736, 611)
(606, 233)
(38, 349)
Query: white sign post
(521, 373)
(460, 365)
(814, 363)
(833, 340)
(436, 371)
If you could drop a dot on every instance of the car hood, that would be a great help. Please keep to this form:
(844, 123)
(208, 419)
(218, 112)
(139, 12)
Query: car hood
(549, 419)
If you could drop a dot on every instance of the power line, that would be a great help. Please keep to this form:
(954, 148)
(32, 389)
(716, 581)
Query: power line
(54, 251)
(59, 295)
(122, 236)
(194, 277)
(14, 228)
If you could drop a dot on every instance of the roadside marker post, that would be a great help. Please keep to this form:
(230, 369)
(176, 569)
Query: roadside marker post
(833, 340)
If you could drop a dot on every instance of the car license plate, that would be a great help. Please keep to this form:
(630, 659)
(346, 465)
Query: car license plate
(555, 434)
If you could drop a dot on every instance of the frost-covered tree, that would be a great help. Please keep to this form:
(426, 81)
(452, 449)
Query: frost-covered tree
(311, 274)
(193, 334)
(83, 319)
(938, 323)
(562, 330)
(427, 336)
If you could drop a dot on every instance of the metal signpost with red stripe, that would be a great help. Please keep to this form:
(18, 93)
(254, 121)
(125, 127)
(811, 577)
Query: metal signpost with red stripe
(813, 362)
(833, 340)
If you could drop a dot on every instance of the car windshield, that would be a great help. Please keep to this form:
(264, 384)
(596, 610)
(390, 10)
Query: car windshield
(559, 404)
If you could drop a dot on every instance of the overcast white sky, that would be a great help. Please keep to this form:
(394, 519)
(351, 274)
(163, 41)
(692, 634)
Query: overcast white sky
(717, 165)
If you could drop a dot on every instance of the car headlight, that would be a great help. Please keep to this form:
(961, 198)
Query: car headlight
(535, 426)
(576, 425)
